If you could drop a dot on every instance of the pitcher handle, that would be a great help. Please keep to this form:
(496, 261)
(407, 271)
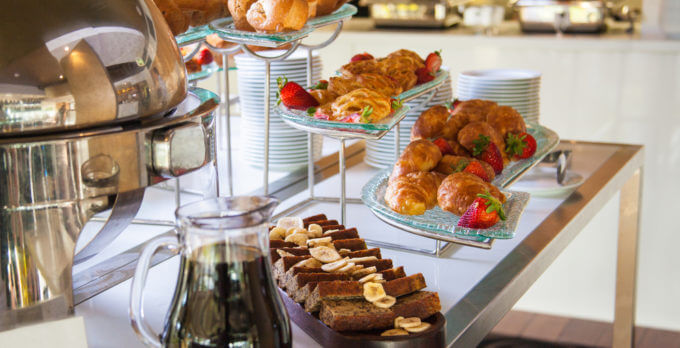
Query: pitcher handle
(140, 326)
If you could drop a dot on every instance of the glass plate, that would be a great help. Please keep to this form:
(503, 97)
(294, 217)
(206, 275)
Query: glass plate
(423, 88)
(206, 71)
(345, 11)
(300, 120)
(441, 222)
(193, 35)
(546, 141)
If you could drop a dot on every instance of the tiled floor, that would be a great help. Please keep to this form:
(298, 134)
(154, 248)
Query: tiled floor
(524, 329)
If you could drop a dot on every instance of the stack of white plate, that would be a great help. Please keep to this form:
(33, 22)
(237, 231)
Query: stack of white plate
(511, 87)
(287, 145)
(380, 153)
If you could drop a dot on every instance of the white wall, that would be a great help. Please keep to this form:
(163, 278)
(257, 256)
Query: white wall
(616, 90)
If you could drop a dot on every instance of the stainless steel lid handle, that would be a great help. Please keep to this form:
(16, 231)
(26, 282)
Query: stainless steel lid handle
(180, 149)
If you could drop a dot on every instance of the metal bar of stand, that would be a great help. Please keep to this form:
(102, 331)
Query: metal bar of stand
(341, 164)
(265, 165)
(310, 136)
(437, 251)
(397, 135)
(227, 124)
(178, 200)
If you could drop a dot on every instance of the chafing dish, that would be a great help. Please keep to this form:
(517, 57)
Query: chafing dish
(414, 13)
(576, 16)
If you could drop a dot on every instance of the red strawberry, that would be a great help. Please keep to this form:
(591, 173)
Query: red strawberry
(476, 168)
(522, 145)
(488, 152)
(453, 104)
(322, 84)
(361, 56)
(444, 146)
(204, 57)
(484, 212)
(294, 96)
(424, 75)
(433, 62)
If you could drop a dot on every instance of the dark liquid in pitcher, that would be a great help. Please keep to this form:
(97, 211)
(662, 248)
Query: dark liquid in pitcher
(226, 299)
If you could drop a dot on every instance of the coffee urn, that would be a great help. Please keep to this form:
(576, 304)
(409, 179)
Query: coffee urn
(94, 107)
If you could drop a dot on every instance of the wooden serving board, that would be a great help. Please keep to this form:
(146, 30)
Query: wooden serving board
(435, 336)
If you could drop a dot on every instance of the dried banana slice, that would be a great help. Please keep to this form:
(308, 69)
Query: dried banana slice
(277, 233)
(298, 238)
(373, 291)
(409, 322)
(289, 222)
(420, 328)
(329, 231)
(308, 263)
(362, 259)
(347, 268)
(394, 332)
(344, 252)
(324, 254)
(334, 266)
(283, 253)
(369, 278)
(295, 230)
(385, 302)
(315, 231)
(396, 322)
(363, 272)
(319, 242)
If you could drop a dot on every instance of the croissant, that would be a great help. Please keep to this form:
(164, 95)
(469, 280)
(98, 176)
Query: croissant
(455, 123)
(413, 193)
(201, 12)
(459, 190)
(453, 164)
(356, 101)
(476, 109)
(430, 123)
(325, 7)
(173, 16)
(420, 155)
(506, 120)
(275, 16)
(239, 11)
(471, 132)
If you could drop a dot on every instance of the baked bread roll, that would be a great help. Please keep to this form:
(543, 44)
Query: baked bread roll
(413, 193)
(173, 16)
(459, 190)
(418, 156)
(275, 16)
(430, 123)
(475, 109)
(202, 12)
(505, 120)
(454, 164)
(454, 124)
(325, 7)
(312, 5)
(471, 132)
(356, 101)
(239, 11)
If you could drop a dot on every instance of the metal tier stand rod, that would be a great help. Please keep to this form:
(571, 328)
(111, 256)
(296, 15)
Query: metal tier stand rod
(226, 106)
(267, 78)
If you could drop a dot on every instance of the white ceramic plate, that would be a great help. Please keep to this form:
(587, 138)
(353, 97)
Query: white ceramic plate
(542, 181)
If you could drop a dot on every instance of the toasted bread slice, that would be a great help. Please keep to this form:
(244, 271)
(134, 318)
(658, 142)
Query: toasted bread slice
(393, 273)
(348, 290)
(277, 243)
(356, 315)
(301, 279)
(327, 223)
(284, 264)
(380, 264)
(311, 220)
(295, 251)
(332, 227)
(295, 271)
(343, 234)
(353, 244)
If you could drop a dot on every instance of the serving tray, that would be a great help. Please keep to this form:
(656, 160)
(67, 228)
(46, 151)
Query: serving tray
(435, 336)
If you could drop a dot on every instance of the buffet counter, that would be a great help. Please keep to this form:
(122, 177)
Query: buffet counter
(477, 287)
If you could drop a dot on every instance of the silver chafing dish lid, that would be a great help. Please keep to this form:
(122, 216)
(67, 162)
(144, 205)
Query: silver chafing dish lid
(83, 63)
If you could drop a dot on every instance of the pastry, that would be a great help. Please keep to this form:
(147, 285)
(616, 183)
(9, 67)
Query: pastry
(405, 78)
(325, 7)
(323, 96)
(359, 67)
(341, 85)
(454, 124)
(360, 100)
(275, 16)
(400, 62)
(459, 190)
(413, 193)
(173, 16)
(453, 164)
(379, 83)
(471, 132)
(201, 12)
(408, 53)
(312, 5)
(420, 155)
(239, 11)
(506, 120)
(476, 109)
(430, 123)
(457, 148)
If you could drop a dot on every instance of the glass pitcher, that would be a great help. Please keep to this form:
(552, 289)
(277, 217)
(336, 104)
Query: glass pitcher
(225, 294)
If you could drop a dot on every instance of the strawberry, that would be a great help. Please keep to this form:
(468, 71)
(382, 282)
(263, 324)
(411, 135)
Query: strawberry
(453, 104)
(522, 145)
(488, 152)
(424, 75)
(361, 56)
(294, 96)
(433, 62)
(476, 168)
(484, 212)
(204, 57)
(444, 146)
(396, 104)
(322, 84)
